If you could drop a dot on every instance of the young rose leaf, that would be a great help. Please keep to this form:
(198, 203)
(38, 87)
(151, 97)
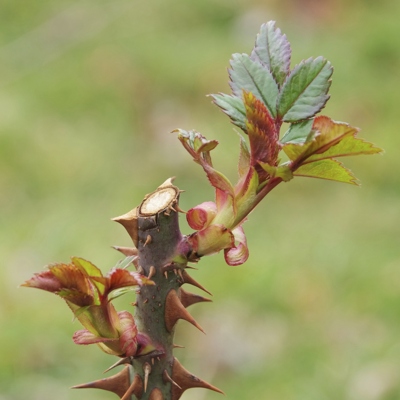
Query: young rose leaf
(200, 217)
(233, 107)
(247, 190)
(70, 277)
(218, 179)
(328, 169)
(86, 266)
(250, 76)
(282, 171)
(211, 240)
(44, 280)
(83, 336)
(244, 158)
(299, 132)
(263, 136)
(128, 334)
(272, 50)
(89, 269)
(126, 262)
(348, 146)
(328, 133)
(304, 93)
(238, 254)
(76, 297)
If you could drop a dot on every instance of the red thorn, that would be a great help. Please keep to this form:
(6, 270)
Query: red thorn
(156, 394)
(188, 299)
(175, 310)
(167, 378)
(125, 360)
(186, 380)
(166, 274)
(177, 346)
(180, 209)
(188, 279)
(126, 251)
(130, 222)
(140, 270)
(136, 388)
(117, 384)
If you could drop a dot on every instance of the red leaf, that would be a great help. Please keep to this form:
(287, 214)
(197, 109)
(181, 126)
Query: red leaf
(238, 254)
(262, 132)
(128, 337)
(83, 336)
(200, 217)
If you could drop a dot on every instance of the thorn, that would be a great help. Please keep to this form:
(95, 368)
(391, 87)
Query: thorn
(136, 388)
(188, 279)
(180, 209)
(145, 301)
(167, 183)
(158, 359)
(166, 274)
(134, 304)
(130, 222)
(167, 378)
(177, 346)
(186, 380)
(152, 272)
(172, 208)
(147, 371)
(118, 384)
(174, 310)
(126, 251)
(181, 275)
(152, 360)
(188, 299)
(138, 291)
(140, 270)
(148, 241)
(126, 360)
(175, 271)
(156, 394)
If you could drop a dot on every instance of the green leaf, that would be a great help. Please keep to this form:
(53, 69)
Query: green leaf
(272, 50)
(248, 189)
(304, 92)
(233, 107)
(86, 266)
(299, 132)
(329, 133)
(250, 76)
(348, 146)
(327, 169)
(282, 171)
(125, 263)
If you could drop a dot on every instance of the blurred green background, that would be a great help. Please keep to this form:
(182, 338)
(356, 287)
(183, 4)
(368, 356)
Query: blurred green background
(89, 91)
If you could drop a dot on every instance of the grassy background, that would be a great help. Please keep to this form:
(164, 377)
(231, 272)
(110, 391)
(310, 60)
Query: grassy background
(89, 91)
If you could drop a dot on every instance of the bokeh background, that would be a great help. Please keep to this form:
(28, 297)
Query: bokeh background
(89, 91)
